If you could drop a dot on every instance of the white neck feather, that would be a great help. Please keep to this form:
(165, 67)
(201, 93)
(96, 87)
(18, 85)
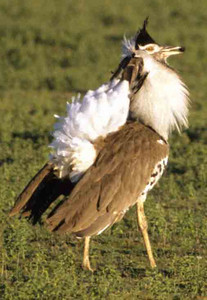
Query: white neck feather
(162, 101)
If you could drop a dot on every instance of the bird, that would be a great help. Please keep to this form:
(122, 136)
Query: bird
(112, 148)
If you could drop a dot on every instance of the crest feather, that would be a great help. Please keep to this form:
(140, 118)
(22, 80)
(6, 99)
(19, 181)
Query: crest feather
(142, 37)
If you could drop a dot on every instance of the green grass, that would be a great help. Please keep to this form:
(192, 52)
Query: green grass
(49, 50)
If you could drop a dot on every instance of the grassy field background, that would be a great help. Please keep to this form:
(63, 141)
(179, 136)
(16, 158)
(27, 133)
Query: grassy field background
(49, 51)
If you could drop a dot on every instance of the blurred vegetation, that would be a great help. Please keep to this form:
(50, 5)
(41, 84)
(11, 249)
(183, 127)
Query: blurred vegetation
(50, 50)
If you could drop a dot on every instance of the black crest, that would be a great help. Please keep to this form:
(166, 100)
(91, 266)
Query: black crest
(143, 38)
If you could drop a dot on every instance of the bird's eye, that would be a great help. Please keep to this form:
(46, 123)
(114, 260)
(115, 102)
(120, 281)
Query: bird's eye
(150, 48)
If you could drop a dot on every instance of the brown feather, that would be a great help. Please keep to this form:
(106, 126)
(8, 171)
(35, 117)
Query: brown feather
(30, 188)
(40, 192)
(115, 181)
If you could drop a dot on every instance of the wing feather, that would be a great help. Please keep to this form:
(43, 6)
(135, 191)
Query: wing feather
(44, 188)
(113, 184)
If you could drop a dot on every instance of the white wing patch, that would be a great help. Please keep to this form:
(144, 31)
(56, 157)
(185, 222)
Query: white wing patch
(160, 142)
(101, 111)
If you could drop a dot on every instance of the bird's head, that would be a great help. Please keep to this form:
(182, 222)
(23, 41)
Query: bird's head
(143, 41)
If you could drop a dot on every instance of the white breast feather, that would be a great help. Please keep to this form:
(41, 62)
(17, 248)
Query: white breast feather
(166, 98)
(101, 111)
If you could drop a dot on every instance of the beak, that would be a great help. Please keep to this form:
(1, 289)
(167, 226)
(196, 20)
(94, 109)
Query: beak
(169, 50)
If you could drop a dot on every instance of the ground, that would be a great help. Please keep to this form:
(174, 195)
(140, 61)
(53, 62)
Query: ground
(51, 50)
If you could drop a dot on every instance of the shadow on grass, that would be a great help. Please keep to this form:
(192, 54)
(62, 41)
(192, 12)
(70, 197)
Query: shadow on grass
(35, 137)
(145, 272)
(197, 134)
(7, 160)
(134, 272)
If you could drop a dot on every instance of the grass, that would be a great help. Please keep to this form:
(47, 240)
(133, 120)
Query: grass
(49, 51)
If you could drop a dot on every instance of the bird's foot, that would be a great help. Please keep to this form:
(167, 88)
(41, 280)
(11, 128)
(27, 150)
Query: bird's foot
(87, 266)
(153, 263)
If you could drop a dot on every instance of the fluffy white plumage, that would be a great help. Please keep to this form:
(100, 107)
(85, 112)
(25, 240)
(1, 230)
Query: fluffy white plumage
(128, 46)
(166, 98)
(101, 112)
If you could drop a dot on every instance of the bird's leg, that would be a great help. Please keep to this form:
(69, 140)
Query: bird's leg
(86, 262)
(142, 221)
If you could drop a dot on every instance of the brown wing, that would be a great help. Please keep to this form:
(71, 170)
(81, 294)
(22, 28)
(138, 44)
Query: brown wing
(44, 188)
(113, 184)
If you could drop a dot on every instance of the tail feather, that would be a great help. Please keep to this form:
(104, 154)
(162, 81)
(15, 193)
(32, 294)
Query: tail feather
(40, 193)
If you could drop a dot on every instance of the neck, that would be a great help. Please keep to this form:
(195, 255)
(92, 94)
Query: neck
(162, 101)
